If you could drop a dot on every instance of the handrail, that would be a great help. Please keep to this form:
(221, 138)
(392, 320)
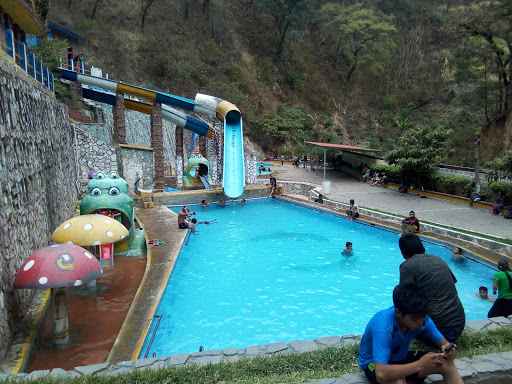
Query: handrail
(153, 335)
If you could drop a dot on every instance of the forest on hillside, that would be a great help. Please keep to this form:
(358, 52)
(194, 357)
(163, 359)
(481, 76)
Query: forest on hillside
(397, 75)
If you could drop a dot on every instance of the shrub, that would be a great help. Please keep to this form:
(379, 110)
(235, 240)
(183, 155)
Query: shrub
(504, 190)
(452, 185)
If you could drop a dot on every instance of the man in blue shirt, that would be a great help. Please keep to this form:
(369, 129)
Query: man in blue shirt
(384, 354)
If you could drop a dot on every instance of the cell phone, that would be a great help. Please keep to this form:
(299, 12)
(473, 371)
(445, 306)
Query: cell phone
(448, 347)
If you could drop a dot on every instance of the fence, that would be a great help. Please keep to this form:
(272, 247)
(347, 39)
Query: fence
(29, 63)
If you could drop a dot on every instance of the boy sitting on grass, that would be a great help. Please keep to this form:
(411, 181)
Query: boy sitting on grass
(384, 354)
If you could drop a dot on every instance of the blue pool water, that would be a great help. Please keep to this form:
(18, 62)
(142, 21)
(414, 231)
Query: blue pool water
(272, 271)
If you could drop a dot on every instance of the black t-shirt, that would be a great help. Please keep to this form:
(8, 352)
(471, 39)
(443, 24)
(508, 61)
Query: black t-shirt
(436, 280)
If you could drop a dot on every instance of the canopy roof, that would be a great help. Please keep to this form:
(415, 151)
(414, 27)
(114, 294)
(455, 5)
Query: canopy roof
(342, 147)
(24, 16)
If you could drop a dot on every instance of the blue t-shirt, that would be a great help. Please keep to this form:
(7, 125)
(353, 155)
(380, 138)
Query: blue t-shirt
(383, 341)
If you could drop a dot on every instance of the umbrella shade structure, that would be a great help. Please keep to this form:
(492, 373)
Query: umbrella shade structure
(56, 267)
(90, 229)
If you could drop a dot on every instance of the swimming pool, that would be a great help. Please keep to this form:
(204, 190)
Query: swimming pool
(272, 271)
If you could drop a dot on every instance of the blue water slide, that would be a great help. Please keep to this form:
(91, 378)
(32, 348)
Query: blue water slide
(233, 181)
(205, 182)
(234, 172)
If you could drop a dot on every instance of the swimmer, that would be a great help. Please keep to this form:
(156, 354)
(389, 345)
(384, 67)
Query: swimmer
(483, 293)
(348, 251)
(457, 254)
(204, 203)
(242, 202)
(222, 203)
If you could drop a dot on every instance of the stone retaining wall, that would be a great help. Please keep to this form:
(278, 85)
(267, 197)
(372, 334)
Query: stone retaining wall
(37, 182)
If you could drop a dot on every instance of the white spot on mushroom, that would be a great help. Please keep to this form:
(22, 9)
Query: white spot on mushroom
(78, 282)
(55, 245)
(88, 255)
(29, 265)
(88, 227)
(97, 242)
(70, 242)
(67, 225)
(122, 236)
(107, 221)
(109, 234)
(43, 280)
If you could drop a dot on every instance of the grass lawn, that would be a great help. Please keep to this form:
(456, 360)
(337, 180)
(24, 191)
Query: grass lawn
(296, 368)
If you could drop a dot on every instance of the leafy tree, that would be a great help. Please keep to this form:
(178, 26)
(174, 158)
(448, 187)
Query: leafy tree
(500, 167)
(485, 26)
(419, 152)
(50, 52)
(283, 125)
(364, 34)
(288, 15)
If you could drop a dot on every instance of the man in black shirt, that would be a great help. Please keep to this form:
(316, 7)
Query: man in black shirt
(436, 280)
(272, 186)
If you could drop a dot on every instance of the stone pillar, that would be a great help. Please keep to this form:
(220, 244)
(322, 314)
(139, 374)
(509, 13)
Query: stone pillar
(157, 142)
(250, 169)
(202, 146)
(179, 156)
(118, 113)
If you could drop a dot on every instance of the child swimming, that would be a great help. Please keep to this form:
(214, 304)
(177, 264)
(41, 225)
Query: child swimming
(348, 251)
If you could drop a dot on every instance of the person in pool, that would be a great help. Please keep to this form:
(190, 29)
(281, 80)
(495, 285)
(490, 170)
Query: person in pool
(483, 293)
(242, 202)
(348, 251)
(204, 203)
(222, 203)
(457, 254)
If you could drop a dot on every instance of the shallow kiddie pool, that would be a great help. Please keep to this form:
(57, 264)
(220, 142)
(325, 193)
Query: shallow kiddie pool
(272, 271)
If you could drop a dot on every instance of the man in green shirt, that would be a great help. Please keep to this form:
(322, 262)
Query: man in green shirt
(503, 284)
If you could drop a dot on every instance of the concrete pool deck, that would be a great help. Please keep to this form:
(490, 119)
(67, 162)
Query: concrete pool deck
(445, 212)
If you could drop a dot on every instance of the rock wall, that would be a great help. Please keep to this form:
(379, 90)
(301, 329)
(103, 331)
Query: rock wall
(96, 151)
(37, 182)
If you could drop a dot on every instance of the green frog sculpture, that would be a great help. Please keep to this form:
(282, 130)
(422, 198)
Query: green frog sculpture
(107, 193)
(197, 171)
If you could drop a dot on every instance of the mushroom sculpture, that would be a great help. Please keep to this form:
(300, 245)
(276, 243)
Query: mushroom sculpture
(94, 229)
(56, 267)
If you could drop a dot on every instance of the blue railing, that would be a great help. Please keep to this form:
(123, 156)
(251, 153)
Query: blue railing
(29, 63)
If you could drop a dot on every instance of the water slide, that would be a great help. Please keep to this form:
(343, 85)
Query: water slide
(205, 182)
(233, 182)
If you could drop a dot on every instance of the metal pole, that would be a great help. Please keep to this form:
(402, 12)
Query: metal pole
(325, 157)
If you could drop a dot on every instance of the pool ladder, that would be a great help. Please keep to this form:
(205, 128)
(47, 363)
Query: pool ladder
(153, 336)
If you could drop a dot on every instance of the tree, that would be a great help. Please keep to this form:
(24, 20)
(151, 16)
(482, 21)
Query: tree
(284, 125)
(500, 167)
(419, 152)
(144, 6)
(288, 15)
(486, 27)
(363, 33)
(50, 52)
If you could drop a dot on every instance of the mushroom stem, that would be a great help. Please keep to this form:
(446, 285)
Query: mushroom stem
(59, 316)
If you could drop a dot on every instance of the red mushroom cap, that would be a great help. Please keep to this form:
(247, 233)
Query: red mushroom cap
(60, 265)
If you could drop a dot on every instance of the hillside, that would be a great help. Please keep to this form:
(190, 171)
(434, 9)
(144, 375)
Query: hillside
(358, 73)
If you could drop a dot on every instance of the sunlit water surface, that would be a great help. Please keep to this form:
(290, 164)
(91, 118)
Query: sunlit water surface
(272, 271)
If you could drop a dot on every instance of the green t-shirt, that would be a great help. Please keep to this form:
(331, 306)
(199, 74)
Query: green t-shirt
(504, 291)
